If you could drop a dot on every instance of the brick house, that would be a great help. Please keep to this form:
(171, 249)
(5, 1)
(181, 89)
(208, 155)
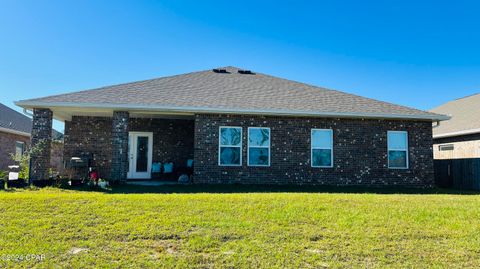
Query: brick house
(14, 135)
(459, 137)
(15, 130)
(239, 126)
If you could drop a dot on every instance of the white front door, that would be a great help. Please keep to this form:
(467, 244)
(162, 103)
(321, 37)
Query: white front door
(140, 145)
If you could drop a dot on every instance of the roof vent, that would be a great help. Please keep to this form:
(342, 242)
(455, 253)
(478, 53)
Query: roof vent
(246, 72)
(220, 70)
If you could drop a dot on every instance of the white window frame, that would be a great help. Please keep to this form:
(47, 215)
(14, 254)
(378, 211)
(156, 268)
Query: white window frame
(312, 148)
(17, 158)
(449, 147)
(406, 150)
(229, 146)
(262, 147)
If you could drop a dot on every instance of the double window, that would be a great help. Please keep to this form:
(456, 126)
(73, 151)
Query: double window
(258, 146)
(230, 146)
(397, 149)
(322, 147)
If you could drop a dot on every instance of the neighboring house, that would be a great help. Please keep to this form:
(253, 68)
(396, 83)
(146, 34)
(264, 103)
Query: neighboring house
(14, 135)
(459, 137)
(240, 127)
(15, 129)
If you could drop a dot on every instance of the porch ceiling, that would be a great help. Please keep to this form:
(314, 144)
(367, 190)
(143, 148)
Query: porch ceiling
(66, 114)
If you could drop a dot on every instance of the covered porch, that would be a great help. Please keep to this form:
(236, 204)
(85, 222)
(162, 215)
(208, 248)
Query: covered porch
(121, 145)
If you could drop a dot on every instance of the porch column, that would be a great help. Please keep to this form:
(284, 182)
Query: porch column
(119, 166)
(40, 144)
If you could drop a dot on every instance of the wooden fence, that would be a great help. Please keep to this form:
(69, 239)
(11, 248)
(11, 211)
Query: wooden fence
(461, 174)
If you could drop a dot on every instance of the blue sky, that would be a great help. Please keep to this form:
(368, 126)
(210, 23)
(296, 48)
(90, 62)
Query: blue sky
(410, 53)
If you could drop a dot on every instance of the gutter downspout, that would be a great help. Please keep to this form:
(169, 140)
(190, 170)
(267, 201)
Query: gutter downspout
(25, 111)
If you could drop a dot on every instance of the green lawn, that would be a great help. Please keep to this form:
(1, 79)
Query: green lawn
(251, 228)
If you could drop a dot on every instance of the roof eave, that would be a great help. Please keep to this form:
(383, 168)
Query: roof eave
(457, 133)
(175, 109)
(16, 132)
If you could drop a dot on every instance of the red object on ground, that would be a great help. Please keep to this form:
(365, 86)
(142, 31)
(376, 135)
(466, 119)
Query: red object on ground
(94, 175)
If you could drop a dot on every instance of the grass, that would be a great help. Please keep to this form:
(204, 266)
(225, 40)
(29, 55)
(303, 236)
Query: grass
(239, 227)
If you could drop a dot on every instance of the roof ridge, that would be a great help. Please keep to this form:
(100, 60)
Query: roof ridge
(454, 100)
(206, 89)
(467, 96)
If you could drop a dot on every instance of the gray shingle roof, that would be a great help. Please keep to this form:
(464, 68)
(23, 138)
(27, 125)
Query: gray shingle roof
(13, 120)
(232, 91)
(16, 121)
(465, 117)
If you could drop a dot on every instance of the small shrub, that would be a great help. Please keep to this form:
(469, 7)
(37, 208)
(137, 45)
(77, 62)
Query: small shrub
(3, 179)
(60, 181)
(24, 161)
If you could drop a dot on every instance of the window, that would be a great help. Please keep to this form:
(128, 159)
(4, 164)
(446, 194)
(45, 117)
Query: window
(445, 147)
(258, 146)
(230, 146)
(19, 149)
(397, 149)
(322, 147)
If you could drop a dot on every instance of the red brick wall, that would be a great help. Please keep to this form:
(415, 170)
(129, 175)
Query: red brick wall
(90, 136)
(359, 152)
(56, 157)
(7, 147)
(172, 139)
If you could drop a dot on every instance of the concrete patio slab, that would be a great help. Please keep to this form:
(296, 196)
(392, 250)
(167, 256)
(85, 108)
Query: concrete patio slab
(152, 183)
